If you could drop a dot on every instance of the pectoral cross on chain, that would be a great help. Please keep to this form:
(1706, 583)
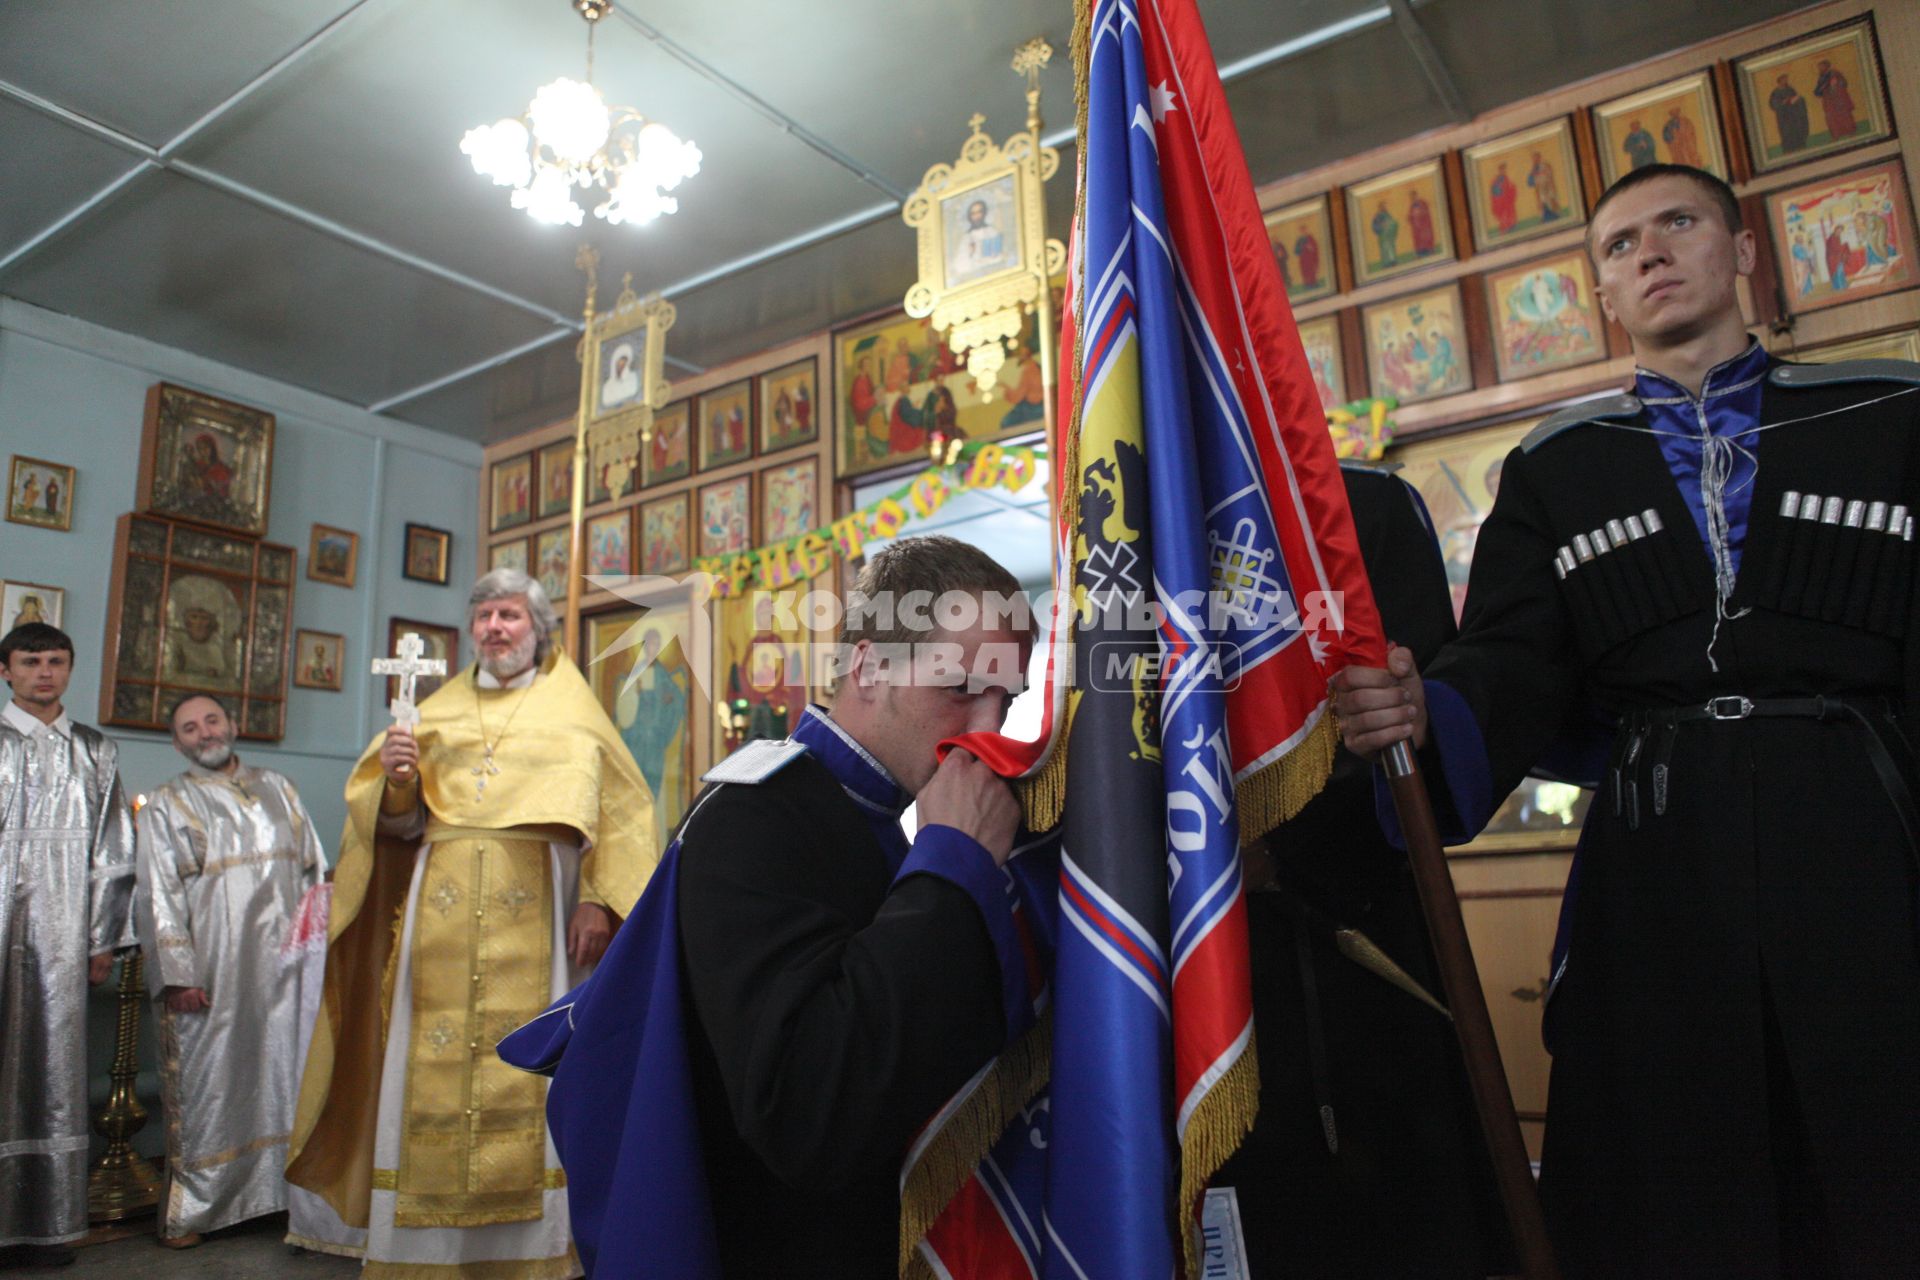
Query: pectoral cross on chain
(482, 771)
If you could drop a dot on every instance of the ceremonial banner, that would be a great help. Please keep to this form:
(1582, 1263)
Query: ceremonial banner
(1216, 584)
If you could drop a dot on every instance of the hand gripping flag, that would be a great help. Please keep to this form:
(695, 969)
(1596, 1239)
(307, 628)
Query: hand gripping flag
(1215, 585)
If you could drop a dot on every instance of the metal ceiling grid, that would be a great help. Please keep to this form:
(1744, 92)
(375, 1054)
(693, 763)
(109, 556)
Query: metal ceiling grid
(223, 184)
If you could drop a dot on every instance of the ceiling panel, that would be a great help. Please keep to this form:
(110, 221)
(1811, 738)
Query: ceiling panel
(1239, 30)
(1504, 50)
(863, 270)
(46, 170)
(365, 131)
(946, 61)
(146, 69)
(361, 131)
(531, 390)
(190, 267)
(889, 84)
(1336, 100)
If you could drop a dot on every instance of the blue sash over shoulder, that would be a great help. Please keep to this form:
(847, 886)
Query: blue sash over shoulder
(621, 1109)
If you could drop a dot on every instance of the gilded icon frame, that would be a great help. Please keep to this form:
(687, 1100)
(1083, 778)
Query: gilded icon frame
(1428, 180)
(165, 572)
(307, 654)
(425, 554)
(1752, 71)
(1555, 135)
(1695, 91)
(227, 487)
(34, 513)
(1457, 374)
(1806, 283)
(1315, 217)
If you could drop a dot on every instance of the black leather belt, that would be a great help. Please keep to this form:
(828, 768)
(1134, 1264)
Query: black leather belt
(1654, 729)
(1733, 706)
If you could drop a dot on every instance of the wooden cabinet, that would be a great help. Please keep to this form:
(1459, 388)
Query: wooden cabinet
(1511, 903)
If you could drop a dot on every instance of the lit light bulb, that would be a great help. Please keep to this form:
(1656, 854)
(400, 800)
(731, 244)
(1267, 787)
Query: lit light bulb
(499, 151)
(665, 157)
(635, 199)
(570, 119)
(549, 198)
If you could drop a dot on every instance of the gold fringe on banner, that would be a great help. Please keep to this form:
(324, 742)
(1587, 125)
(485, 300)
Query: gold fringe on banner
(963, 1142)
(1043, 796)
(1281, 789)
(1223, 1118)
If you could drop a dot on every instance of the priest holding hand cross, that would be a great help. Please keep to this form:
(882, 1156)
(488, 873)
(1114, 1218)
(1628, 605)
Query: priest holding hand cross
(496, 834)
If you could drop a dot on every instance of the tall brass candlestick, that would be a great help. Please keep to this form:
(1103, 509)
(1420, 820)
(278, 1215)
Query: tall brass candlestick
(123, 1183)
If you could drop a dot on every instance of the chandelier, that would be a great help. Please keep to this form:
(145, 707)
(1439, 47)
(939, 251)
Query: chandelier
(571, 138)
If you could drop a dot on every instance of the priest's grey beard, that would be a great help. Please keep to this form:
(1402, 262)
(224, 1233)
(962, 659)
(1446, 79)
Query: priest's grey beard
(213, 753)
(514, 661)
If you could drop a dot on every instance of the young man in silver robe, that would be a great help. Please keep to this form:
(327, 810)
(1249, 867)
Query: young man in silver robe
(66, 890)
(226, 852)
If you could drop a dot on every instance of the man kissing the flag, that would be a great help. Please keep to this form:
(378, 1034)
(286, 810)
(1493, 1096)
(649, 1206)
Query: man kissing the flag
(801, 987)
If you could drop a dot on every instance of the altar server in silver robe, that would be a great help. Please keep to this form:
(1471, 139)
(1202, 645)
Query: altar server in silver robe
(66, 890)
(226, 851)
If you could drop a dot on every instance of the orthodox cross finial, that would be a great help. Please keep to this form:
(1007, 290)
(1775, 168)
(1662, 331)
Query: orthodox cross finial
(1030, 57)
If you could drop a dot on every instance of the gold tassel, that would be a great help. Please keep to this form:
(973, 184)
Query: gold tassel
(1365, 952)
(1020, 1072)
(1283, 788)
(1043, 797)
(1223, 1118)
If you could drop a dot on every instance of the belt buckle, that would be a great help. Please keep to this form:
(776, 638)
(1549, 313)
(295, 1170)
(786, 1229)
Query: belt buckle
(1730, 706)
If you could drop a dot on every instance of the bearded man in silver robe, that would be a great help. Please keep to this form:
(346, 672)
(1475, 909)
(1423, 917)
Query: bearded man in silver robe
(66, 891)
(226, 852)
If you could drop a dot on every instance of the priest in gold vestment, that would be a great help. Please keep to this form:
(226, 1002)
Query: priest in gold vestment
(487, 857)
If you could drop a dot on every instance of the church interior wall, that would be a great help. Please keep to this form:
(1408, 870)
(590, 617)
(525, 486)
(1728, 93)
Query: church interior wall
(74, 393)
(1509, 881)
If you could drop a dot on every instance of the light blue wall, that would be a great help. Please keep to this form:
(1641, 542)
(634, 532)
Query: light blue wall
(74, 393)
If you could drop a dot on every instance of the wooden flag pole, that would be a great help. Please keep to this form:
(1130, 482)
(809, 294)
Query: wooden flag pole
(1460, 980)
